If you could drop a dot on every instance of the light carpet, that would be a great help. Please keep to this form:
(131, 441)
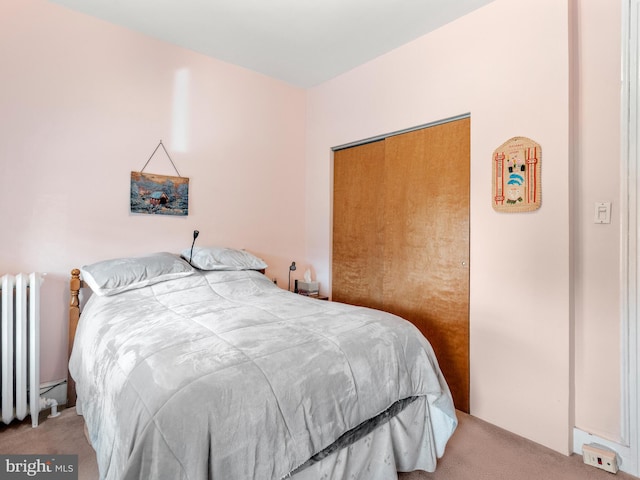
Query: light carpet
(477, 451)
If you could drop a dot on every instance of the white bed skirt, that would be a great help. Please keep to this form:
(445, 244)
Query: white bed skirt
(403, 444)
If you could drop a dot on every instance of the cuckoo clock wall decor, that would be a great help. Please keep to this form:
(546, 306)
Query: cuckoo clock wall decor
(516, 176)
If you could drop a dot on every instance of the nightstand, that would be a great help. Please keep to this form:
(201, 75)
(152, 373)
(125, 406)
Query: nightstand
(316, 296)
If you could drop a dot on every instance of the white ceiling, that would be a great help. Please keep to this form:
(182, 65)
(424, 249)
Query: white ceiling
(302, 42)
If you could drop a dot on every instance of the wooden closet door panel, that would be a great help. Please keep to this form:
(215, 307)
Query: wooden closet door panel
(358, 225)
(426, 276)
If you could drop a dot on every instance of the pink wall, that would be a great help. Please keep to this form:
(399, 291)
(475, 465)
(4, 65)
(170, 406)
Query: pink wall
(83, 103)
(597, 247)
(497, 64)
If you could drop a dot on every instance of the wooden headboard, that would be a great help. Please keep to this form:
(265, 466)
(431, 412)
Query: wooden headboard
(75, 284)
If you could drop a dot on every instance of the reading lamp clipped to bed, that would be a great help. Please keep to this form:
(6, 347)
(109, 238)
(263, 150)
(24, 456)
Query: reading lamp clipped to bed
(292, 267)
(195, 235)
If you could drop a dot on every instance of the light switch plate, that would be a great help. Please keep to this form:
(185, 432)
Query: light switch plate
(602, 212)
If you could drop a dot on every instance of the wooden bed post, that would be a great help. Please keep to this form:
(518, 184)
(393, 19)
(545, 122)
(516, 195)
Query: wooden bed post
(74, 316)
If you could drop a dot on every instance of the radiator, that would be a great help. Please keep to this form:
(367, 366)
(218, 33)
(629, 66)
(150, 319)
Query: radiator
(20, 349)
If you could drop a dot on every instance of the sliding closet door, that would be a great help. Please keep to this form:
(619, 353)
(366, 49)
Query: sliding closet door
(358, 225)
(426, 261)
(401, 237)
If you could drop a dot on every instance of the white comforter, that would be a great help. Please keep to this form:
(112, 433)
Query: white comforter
(225, 376)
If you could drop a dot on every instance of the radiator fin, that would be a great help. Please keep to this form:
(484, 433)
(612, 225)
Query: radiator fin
(20, 347)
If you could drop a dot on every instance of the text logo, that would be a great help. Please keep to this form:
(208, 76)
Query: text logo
(41, 467)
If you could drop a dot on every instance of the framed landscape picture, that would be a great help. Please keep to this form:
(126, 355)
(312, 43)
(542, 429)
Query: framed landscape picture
(159, 194)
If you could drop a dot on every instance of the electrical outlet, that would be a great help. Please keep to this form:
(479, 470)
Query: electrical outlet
(600, 458)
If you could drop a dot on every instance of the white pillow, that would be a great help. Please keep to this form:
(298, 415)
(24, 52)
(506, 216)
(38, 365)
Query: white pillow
(220, 258)
(110, 277)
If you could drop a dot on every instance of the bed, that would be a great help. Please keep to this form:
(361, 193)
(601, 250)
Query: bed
(216, 373)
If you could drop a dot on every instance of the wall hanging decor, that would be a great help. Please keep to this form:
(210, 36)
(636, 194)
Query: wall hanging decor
(516, 176)
(159, 194)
